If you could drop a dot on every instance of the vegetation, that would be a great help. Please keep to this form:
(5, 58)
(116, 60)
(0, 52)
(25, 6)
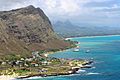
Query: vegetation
(53, 66)
(39, 64)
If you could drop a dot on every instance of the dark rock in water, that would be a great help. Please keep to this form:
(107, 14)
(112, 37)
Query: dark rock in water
(26, 29)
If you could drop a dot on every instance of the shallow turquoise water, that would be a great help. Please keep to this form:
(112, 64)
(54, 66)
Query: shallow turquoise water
(105, 52)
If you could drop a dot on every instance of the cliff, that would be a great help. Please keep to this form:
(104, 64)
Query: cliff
(25, 30)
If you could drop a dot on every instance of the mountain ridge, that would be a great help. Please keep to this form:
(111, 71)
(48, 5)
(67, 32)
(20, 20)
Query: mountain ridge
(69, 29)
(25, 30)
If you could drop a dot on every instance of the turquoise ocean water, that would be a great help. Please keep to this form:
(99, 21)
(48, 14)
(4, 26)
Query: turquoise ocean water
(104, 50)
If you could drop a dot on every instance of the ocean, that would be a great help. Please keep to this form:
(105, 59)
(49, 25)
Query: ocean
(104, 50)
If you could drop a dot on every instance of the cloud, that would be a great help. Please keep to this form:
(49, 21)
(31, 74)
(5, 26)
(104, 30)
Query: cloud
(61, 7)
(76, 10)
(69, 6)
(13, 4)
(113, 8)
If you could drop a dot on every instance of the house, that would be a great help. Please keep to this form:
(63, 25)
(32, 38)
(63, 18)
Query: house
(44, 62)
(34, 64)
(35, 54)
(3, 63)
(29, 59)
(22, 59)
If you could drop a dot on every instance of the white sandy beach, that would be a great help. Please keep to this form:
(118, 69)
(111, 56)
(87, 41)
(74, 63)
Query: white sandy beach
(8, 77)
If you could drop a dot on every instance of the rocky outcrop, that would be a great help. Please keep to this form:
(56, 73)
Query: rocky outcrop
(26, 29)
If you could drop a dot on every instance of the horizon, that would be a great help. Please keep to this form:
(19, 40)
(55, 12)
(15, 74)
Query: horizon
(95, 12)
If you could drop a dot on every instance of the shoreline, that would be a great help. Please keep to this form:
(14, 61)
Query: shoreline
(8, 77)
(90, 36)
(15, 76)
(73, 71)
(69, 72)
(49, 53)
(60, 74)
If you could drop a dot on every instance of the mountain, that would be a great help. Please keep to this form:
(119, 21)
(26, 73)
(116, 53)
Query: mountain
(68, 29)
(25, 30)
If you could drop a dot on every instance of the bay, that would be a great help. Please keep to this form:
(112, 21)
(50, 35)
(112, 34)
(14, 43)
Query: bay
(104, 50)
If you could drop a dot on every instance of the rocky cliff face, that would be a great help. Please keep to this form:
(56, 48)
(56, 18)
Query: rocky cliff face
(26, 29)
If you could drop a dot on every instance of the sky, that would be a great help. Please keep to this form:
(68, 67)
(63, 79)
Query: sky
(102, 12)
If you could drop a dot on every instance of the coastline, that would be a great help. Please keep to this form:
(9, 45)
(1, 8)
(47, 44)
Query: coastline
(73, 71)
(69, 72)
(58, 76)
(49, 53)
(8, 77)
(90, 36)
(16, 76)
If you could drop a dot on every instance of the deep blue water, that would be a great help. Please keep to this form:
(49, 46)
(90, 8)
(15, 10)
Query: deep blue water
(104, 50)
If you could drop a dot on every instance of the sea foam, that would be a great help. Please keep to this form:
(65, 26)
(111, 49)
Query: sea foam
(92, 73)
(80, 70)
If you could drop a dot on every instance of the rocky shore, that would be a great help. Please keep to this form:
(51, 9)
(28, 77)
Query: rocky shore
(69, 72)
(41, 65)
